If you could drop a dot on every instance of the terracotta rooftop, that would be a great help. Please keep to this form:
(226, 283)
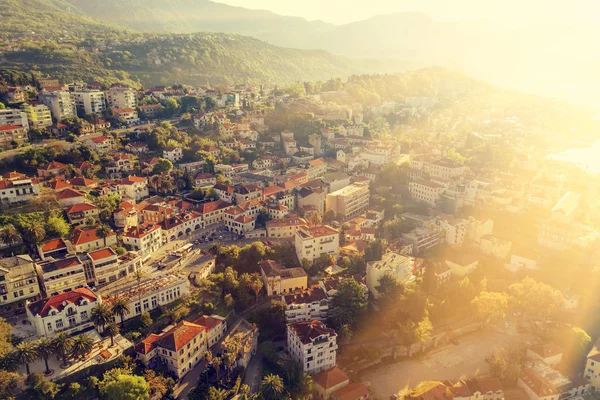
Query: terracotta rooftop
(180, 335)
(209, 322)
(148, 344)
(80, 207)
(53, 244)
(101, 254)
(272, 268)
(330, 378)
(60, 301)
(70, 194)
(353, 391)
(309, 331)
(82, 236)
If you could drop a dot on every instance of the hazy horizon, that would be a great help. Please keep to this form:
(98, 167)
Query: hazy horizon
(509, 12)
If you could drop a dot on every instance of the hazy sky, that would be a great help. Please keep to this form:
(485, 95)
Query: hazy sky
(507, 11)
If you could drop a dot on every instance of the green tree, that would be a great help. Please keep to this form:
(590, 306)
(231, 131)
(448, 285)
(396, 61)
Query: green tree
(126, 387)
(101, 315)
(82, 345)
(536, 299)
(9, 384)
(349, 302)
(271, 387)
(57, 226)
(9, 235)
(491, 306)
(389, 289)
(162, 166)
(5, 337)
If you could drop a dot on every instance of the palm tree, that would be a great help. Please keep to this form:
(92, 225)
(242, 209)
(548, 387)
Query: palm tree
(216, 363)
(139, 274)
(34, 232)
(103, 231)
(45, 348)
(208, 356)
(112, 330)
(9, 235)
(120, 307)
(26, 354)
(229, 359)
(63, 344)
(101, 315)
(256, 284)
(271, 387)
(82, 345)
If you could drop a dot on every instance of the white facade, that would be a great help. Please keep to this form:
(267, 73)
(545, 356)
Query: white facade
(311, 242)
(60, 103)
(391, 264)
(10, 116)
(90, 101)
(313, 345)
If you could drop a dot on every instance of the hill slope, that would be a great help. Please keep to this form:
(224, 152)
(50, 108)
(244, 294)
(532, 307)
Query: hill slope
(190, 16)
(54, 37)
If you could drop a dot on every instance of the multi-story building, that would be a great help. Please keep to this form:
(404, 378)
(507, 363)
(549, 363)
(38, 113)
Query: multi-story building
(592, 366)
(108, 267)
(126, 115)
(78, 213)
(60, 103)
(424, 237)
(313, 241)
(284, 228)
(67, 312)
(317, 168)
(278, 279)
(216, 328)
(179, 225)
(101, 144)
(311, 197)
(426, 191)
(313, 345)
(122, 97)
(180, 348)
(61, 275)
(18, 283)
(15, 189)
(213, 212)
(134, 187)
(11, 116)
(445, 169)
(89, 101)
(38, 114)
(311, 304)
(147, 296)
(350, 201)
(145, 238)
(173, 154)
(392, 264)
(10, 134)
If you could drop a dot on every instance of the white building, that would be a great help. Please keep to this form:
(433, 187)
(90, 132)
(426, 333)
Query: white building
(90, 101)
(18, 283)
(121, 97)
(311, 304)
(426, 191)
(38, 114)
(108, 267)
(313, 241)
(61, 275)
(349, 201)
(391, 264)
(17, 189)
(173, 154)
(134, 187)
(216, 328)
(11, 116)
(67, 312)
(145, 238)
(60, 103)
(313, 345)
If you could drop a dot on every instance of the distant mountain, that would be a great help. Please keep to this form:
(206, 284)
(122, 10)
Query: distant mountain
(190, 16)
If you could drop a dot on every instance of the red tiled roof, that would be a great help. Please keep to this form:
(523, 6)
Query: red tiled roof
(53, 244)
(80, 207)
(123, 110)
(13, 175)
(59, 183)
(54, 165)
(180, 335)
(212, 206)
(148, 344)
(6, 128)
(309, 331)
(330, 378)
(353, 391)
(141, 231)
(271, 190)
(60, 301)
(102, 253)
(70, 194)
(99, 139)
(130, 180)
(67, 263)
(208, 322)
(322, 230)
(84, 182)
(82, 236)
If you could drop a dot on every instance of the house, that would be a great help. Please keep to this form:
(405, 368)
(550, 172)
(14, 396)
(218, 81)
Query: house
(145, 238)
(67, 312)
(83, 183)
(392, 264)
(101, 144)
(119, 163)
(180, 224)
(173, 154)
(247, 192)
(277, 211)
(247, 333)
(10, 134)
(312, 242)
(205, 179)
(53, 169)
(312, 345)
(151, 110)
(87, 239)
(127, 115)
(126, 215)
(216, 328)
(137, 148)
(179, 349)
(325, 383)
(61, 275)
(592, 366)
(78, 213)
(134, 187)
(18, 283)
(225, 192)
(278, 279)
(69, 197)
(213, 212)
(17, 189)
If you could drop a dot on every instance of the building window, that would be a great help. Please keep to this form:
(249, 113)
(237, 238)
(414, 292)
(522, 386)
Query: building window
(59, 324)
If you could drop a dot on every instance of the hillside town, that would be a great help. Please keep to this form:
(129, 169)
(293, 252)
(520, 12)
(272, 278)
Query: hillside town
(302, 242)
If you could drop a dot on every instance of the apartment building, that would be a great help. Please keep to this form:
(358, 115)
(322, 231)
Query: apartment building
(278, 279)
(180, 348)
(426, 191)
(60, 103)
(89, 101)
(213, 212)
(134, 187)
(311, 304)
(173, 154)
(317, 168)
(78, 213)
(424, 237)
(11, 116)
(67, 312)
(18, 283)
(313, 345)
(179, 225)
(216, 328)
(122, 97)
(284, 228)
(38, 114)
(61, 275)
(349, 201)
(127, 115)
(313, 241)
(391, 264)
(145, 238)
(108, 267)
(445, 169)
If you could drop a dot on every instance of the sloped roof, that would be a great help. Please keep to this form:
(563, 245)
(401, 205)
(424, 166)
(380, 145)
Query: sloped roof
(60, 301)
(330, 378)
(179, 336)
(353, 391)
(309, 331)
